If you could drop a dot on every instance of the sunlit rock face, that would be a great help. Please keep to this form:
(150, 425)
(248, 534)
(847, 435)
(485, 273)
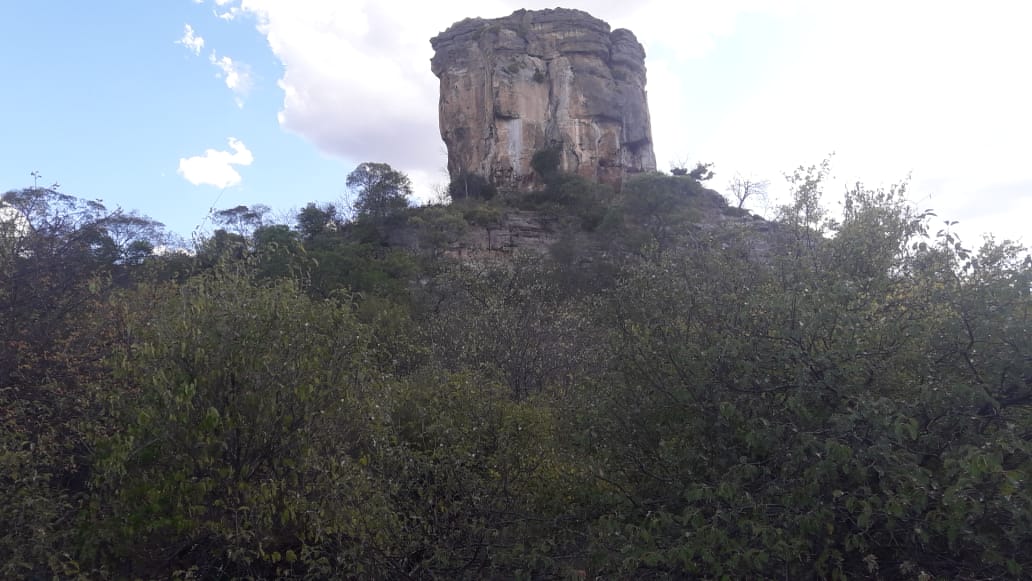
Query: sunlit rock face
(533, 80)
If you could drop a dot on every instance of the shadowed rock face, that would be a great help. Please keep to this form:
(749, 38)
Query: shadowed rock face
(542, 79)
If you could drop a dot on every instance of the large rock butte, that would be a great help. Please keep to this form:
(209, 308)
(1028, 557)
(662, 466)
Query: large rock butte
(543, 79)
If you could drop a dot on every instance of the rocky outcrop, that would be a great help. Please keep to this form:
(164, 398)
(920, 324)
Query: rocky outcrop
(544, 79)
(516, 231)
(508, 232)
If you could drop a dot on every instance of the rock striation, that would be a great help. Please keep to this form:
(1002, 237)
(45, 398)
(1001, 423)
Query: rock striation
(551, 79)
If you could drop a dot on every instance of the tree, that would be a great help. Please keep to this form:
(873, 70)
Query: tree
(512, 324)
(742, 188)
(239, 400)
(834, 412)
(546, 161)
(66, 253)
(381, 191)
(471, 186)
(655, 207)
(61, 259)
(314, 220)
(702, 172)
(242, 219)
(679, 167)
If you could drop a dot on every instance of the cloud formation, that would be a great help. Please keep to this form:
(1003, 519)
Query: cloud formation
(191, 41)
(237, 76)
(228, 12)
(356, 78)
(216, 168)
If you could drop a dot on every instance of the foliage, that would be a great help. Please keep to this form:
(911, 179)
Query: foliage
(546, 161)
(483, 216)
(702, 172)
(571, 198)
(279, 252)
(468, 185)
(314, 221)
(807, 419)
(242, 219)
(237, 400)
(509, 324)
(438, 227)
(825, 398)
(56, 277)
(381, 191)
(654, 209)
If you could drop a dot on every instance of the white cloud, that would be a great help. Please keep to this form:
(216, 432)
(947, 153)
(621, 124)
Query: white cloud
(229, 14)
(191, 41)
(931, 90)
(237, 76)
(216, 168)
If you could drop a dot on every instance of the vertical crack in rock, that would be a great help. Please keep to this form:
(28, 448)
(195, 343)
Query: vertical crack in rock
(535, 79)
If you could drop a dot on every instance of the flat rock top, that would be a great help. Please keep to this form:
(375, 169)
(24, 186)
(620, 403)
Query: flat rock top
(540, 33)
(522, 20)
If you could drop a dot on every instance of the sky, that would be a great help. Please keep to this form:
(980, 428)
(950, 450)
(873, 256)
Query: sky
(175, 108)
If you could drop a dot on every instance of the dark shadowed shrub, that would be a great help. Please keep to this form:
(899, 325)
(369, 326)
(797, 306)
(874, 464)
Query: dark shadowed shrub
(468, 186)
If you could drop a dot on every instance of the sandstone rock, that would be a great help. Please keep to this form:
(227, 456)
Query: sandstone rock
(542, 79)
(518, 231)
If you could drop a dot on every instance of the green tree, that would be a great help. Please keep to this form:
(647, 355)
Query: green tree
(237, 402)
(380, 190)
(655, 210)
(242, 220)
(314, 220)
(279, 252)
(838, 411)
(545, 162)
(471, 186)
(60, 264)
(511, 324)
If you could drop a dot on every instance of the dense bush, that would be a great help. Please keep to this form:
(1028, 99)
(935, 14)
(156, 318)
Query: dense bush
(652, 398)
(546, 161)
(471, 186)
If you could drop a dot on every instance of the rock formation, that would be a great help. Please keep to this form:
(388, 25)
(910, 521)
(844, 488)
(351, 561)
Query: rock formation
(537, 80)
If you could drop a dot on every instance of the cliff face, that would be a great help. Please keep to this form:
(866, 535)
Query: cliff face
(542, 79)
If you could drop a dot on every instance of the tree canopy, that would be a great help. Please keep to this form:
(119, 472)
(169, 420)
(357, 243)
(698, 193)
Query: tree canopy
(650, 397)
(380, 190)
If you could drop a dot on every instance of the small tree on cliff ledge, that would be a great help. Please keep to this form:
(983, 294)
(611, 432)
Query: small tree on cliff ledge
(380, 190)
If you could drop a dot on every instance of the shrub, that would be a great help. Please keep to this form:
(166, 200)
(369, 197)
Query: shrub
(546, 161)
(468, 185)
(245, 399)
(483, 216)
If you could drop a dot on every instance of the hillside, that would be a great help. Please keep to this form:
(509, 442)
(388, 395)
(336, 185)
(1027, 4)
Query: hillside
(571, 382)
(568, 207)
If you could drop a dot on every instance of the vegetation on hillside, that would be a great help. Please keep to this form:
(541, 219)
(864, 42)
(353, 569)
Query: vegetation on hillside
(652, 398)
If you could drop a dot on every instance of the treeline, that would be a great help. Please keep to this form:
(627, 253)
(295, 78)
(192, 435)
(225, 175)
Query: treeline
(658, 396)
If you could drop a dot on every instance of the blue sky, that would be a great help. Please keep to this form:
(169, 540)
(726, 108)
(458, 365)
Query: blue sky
(175, 107)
